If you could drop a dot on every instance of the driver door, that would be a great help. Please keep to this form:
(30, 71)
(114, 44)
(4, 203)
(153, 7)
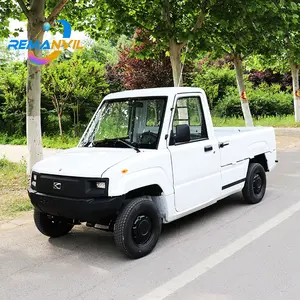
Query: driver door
(195, 159)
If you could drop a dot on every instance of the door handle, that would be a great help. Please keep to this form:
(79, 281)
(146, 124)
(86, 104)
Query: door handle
(208, 148)
(222, 145)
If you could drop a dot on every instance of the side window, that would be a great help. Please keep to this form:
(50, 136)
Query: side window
(154, 112)
(189, 111)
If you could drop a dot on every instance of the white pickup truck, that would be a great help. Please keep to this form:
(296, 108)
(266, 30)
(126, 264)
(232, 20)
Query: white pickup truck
(148, 157)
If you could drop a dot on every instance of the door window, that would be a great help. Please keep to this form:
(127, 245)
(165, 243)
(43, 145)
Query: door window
(189, 112)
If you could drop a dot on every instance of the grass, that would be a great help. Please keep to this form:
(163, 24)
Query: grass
(56, 142)
(283, 121)
(59, 142)
(13, 184)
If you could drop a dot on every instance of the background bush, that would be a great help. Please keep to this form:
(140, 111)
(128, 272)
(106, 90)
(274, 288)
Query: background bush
(264, 100)
(82, 80)
(215, 80)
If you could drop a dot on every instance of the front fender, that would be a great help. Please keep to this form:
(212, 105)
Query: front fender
(142, 178)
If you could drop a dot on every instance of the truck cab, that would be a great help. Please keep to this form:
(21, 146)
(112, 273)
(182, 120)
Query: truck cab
(148, 157)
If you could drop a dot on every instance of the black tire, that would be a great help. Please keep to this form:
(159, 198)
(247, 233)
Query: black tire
(137, 228)
(51, 227)
(256, 183)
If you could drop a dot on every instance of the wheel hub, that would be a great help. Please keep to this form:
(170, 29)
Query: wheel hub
(257, 184)
(141, 229)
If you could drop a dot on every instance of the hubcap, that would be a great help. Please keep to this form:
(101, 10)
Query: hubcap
(55, 221)
(141, 229)
(257, 184)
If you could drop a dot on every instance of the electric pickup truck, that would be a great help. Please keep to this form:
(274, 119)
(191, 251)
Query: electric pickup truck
(148, 157)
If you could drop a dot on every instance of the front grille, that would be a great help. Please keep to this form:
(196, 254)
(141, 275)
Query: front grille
(70, 187)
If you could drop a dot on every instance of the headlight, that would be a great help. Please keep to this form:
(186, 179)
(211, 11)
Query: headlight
(97, 187)
(33, 180)
(101, 185)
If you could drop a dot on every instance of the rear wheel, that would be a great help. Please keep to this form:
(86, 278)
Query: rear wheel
(256, 183)
(137, 228)
(51, 226)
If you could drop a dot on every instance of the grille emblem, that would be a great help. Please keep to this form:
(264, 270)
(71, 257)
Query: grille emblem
(56, 185)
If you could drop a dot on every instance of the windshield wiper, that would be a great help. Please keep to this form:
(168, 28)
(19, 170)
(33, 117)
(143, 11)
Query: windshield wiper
(129, 145)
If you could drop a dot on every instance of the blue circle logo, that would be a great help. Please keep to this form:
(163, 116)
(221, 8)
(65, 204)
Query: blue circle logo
(46, 26)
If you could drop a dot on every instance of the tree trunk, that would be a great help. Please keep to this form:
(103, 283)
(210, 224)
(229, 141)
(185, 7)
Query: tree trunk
(60, 124)
(175, 54)
(237, 60)
(33, 103)
(296, 91)
(77, 110)
(74, 120)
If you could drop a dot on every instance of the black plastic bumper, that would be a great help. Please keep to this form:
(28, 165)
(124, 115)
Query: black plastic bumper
(84, 210)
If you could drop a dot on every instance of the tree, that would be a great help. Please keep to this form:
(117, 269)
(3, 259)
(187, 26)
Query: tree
(35, 11)
(6, 56)
(238, 29)
(289, 36)
(13, 105)
(281, 41)
(102, 51)
(71, 81)
(171, 23)
(136, 71)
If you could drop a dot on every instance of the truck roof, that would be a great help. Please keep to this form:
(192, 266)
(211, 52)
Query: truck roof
(162, 91)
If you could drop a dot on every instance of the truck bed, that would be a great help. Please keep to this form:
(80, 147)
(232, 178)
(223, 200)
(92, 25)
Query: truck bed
(228, 132)
(244, 142)
(240, 144)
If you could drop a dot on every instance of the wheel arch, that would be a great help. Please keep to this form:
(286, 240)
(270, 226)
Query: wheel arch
(154, 180)
(261, 159)
(148, 190)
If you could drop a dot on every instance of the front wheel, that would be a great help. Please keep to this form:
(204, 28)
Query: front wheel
(256, 183)
(51, 226)
(137, 228)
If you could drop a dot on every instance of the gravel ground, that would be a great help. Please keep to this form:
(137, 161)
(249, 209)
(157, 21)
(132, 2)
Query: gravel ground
(17, 153)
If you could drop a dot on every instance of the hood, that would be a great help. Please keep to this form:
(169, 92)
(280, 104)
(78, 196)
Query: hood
(83, 162)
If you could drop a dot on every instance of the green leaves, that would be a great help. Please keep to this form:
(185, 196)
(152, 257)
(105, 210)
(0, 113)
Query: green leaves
(294, 6)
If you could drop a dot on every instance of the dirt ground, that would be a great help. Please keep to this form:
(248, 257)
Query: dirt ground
(287, 142)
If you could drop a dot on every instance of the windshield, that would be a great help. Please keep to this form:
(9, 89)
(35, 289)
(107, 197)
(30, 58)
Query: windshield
(129, 122)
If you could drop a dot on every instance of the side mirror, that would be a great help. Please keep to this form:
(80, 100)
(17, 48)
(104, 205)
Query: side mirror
(183, 133)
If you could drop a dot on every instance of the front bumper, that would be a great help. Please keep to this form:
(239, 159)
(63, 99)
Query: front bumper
(92, 210)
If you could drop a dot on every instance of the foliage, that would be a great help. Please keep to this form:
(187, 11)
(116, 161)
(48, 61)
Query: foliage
(13, 183)
(261, 62)
(269, 77)
(6, 56)
(13, 100)
(114, 78)
(215, 80)
(136, 70)
(74, 84)
(273, 121)
(284, 36)
(236, 27)
(60, 142)
(170, 23)
(117, 17)
(264, 101)
(101, 51)
(56, 142)
(138, 73)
